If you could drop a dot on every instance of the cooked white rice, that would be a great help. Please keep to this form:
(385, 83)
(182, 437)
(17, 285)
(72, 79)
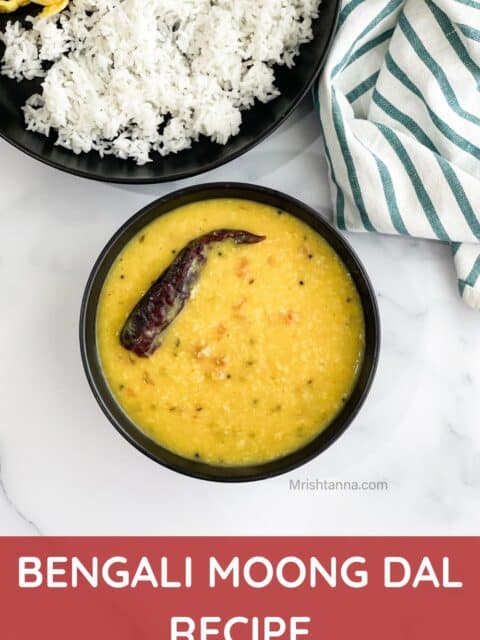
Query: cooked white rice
(134, 76)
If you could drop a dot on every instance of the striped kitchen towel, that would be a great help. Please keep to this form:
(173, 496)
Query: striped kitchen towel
(399, 104)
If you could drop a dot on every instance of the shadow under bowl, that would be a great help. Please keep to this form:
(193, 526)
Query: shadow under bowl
(105, 398)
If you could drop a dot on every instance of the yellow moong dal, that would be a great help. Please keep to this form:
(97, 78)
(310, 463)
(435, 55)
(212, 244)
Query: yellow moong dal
(263, 355)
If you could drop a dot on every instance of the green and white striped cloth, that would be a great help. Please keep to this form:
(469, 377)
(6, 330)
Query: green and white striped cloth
(399, 103)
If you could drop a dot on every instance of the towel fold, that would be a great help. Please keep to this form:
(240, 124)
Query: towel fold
(399, 104)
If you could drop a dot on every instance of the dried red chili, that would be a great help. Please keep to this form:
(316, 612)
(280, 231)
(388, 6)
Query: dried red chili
(153, 314)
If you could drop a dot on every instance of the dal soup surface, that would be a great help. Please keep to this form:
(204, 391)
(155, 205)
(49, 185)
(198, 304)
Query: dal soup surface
(265, 352)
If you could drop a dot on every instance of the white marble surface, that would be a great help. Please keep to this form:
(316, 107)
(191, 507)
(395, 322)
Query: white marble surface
(64, 470)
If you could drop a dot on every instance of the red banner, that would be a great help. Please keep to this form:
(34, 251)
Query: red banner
(238, 588)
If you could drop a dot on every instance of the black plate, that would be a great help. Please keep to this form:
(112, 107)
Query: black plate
(123, 423)
(258, 123)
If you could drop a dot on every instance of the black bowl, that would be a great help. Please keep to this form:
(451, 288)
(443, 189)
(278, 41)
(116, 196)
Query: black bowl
(204, 155)
(121, 421)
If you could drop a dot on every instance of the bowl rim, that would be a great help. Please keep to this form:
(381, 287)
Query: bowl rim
(92, 367)
(215, 164)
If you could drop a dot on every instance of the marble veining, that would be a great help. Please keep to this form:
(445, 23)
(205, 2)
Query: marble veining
(64, 470)
(13, 516)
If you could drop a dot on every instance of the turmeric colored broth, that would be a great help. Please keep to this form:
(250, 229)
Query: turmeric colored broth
(264, 353)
